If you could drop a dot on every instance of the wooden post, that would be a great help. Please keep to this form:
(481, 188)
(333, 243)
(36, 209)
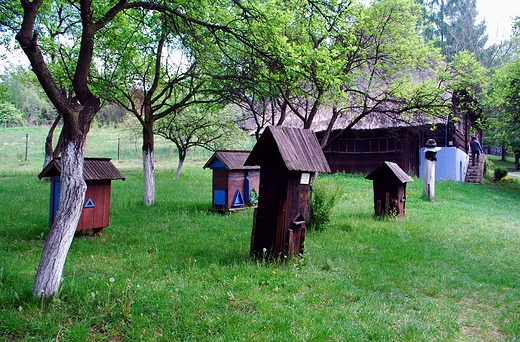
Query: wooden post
(429, 179)
(387, 203)
(26, 145)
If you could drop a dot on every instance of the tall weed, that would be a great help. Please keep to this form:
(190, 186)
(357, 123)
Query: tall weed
(325, 194)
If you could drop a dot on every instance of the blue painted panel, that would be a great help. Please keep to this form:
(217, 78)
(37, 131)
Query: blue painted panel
(217, 165)
(219, 197)
(451, 164)
(54, 198)
(247, 187)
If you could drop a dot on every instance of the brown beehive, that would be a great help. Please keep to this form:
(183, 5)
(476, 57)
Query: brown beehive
(287, 158)
(389, 182)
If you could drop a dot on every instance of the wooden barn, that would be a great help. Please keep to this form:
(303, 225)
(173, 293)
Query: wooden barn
(233, 182)
(385, 136)
(98, 174)
(363, 150)
(389, 182)
(287, 158)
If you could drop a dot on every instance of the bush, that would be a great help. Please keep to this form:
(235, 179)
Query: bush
(325, 194)
(10, 116)
(487, 166)
(500, 172)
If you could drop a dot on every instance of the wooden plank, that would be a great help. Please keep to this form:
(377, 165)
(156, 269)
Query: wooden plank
(253, 234)
(302, 240)
(280, 227)
(292, 237)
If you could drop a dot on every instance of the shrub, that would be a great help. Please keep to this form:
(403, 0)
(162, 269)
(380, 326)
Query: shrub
(500, 172)
(325, 194)
(10, 116)
(488, 164)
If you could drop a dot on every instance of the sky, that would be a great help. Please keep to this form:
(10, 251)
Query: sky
(498, 14)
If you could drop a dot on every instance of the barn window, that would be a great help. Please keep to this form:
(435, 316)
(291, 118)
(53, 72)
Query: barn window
(392, 144)
(373, 145)
(383, 145)
(342, 145)
(366, 146)
(351, 146)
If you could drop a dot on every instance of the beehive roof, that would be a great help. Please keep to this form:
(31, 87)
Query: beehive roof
(389, 167)
(232, 160)
(93, 169)
(299, 149)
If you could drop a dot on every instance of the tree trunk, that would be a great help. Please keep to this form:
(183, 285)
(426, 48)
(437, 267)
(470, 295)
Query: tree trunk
(59, 239)
(149, 177)
(330, 126)
(148, 165)
(182, 157)
(50, 152)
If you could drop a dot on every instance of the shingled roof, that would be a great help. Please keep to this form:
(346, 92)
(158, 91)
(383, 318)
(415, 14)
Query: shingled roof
(299, 149)
(383, 169)
(232, 160)
(93, 169)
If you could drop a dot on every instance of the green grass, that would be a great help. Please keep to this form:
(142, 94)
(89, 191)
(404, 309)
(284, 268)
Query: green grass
(123, 145)
(509, 163)
(448, 272)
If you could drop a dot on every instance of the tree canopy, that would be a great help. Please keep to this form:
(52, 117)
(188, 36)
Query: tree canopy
(503, 105)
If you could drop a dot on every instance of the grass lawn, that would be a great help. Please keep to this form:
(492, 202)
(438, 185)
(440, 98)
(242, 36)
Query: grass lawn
(509, 164)
(175, 271)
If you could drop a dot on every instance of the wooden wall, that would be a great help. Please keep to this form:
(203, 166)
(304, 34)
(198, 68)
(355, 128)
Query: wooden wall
(364, 152)
(271, 206)
(98, 216)
(230, 182)
(279, 219)
(389, 197)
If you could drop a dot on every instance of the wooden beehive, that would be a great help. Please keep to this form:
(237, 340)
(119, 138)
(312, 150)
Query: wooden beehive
(98, 174)
(233, 182)
(287, 158)
(389, 182)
